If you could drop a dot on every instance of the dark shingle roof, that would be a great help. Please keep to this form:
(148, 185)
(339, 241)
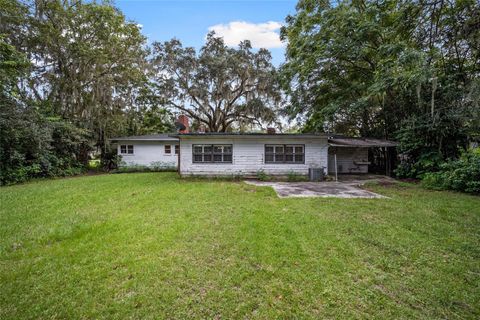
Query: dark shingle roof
(250, 134)
(147, 137)
(338, 141)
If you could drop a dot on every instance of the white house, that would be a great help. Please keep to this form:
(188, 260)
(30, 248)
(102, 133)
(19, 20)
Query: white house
(247, 154)
(148, 150)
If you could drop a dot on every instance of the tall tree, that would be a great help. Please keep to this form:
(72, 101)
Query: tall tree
(88, 63)
(98, 58)
(32, 145)
(220, 88)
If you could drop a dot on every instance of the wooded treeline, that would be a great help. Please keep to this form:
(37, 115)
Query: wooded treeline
(74, 74)
(402, 70)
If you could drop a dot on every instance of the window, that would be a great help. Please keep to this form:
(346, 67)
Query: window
(177, 149)
(126, 149)
(284, 153)
(168, 149)
(212, 153)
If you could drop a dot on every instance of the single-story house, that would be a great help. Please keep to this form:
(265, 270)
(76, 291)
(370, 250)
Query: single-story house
(148, 150)
(247, 154)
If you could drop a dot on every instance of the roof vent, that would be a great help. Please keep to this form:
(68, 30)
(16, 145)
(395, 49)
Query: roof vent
(270, 130)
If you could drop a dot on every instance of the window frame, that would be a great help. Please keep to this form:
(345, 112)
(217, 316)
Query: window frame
(212, 153)
(127, 149)
(176, 149)
(169, 149)
(284, 153)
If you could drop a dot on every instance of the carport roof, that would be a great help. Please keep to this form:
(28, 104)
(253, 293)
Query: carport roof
(360, 142)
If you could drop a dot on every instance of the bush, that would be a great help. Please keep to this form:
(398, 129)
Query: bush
(110, 160)
(292, 176)
(157, 166)
(19, 174)
(131, 168)
(459, 175)
(162, 166)
(34, 146)
(227, 177)
(426, 163)
(262, 176)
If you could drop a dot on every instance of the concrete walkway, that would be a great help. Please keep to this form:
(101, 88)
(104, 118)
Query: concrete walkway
(346, 189)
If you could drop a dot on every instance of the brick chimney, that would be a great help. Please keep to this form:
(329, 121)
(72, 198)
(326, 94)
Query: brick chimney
(184, 124)
(270, 130)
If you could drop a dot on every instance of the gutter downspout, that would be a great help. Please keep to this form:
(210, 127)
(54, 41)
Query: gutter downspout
(178, 156)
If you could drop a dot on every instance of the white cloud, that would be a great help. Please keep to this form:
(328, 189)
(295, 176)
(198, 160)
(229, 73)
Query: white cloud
(261, 35)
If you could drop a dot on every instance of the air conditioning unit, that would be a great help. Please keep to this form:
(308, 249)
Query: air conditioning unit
(316, 174)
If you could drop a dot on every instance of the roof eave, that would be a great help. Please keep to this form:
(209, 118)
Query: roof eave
(142, 139)
(252, 135)
(362, 146)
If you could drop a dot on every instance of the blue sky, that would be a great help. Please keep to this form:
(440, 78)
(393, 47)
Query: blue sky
(191, 20)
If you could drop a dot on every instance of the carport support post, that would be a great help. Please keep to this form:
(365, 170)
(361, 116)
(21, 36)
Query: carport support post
(336, 174)
(387, 169)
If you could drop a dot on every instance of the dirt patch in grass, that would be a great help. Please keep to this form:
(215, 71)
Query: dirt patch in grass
(396, 185)
(385, 183)
(410, 180)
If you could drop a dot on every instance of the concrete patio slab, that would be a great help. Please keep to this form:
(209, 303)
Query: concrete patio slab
(348, 189)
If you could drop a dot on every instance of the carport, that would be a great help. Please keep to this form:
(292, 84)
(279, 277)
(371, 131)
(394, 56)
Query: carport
(356, 155)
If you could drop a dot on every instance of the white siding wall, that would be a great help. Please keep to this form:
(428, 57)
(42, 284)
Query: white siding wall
(346, 158)
(248, 156)
(146, 153)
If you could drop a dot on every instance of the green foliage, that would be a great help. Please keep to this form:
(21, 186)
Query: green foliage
(426, 162)
(105, 56)
(225, 177)
(157, 166)
(32, 146)
(154, 120)
(90, 66)
(220, 88)
(459, 175)
(162, 166)
(110, 160)
(262, 176)
(293, 176)
(390, 69)
(94, 164)
(88, 83)
(13, 64)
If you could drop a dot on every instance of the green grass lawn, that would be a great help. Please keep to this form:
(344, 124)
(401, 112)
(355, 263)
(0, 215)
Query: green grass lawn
(155, 246)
